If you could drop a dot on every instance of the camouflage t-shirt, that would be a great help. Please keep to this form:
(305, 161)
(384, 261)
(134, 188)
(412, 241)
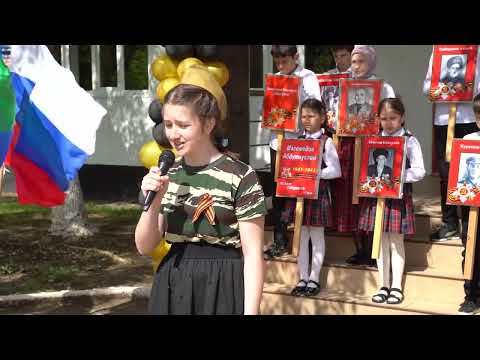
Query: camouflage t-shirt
(237, 196)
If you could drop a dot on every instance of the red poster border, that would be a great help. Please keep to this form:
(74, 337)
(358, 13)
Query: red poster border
(462, 195)
(343, 128)
(289, 112)
(443, 93)
(309, 180)
(371, 188)
(328, 80)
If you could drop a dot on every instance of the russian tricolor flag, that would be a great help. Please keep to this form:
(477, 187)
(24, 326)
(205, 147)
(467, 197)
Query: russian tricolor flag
(55, 128)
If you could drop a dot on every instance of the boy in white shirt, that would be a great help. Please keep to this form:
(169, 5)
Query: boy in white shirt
(343, 58)
(285, 58)
(470, 305)
(465, 124)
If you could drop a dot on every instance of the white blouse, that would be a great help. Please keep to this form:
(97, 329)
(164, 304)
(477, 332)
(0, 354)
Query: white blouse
(330, 157)
(472, 136)
(414, 154)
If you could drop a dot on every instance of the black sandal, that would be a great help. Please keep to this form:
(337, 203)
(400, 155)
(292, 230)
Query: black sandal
(310, 290)
(381, 296)
(393, 299)
(299, 289)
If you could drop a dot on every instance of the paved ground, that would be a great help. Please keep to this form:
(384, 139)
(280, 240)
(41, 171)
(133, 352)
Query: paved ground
(84, 306)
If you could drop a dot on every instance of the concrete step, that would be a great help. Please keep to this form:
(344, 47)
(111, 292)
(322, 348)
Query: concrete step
(427, 284)
(276, 300)
(444, 256)
(441, 256)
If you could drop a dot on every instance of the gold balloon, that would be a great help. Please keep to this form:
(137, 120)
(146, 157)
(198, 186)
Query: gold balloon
(186, 63)
(149, 154)
(159, 253)
(164, 67)
(165, 86)
(219, 70)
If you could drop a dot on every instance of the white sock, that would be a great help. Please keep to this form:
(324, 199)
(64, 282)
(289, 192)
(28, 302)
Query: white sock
(383, 261)
(398, 259)
(317, 235)
(303, 258)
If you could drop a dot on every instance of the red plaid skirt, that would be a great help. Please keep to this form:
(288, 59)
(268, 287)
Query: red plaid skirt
(344, 212)
(399, 216)
(315, 212)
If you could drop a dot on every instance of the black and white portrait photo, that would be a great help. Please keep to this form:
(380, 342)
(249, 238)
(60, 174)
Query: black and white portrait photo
(380, 163)
(453, 69)
(360, 103)
(330, 96)
(469, 169)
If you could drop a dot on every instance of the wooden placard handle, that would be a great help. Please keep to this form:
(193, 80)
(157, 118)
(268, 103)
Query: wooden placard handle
(377, 232)
(452, 119)
(356, 169)
(279, 148)
(298, 227)
(2, 176)
(335, 140)
(471, 240)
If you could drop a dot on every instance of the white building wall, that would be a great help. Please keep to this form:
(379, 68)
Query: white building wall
(127, 126)
(404, 67)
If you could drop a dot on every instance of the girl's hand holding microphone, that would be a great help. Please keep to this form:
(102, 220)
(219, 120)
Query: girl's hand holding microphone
(156, 180)
(156, 183)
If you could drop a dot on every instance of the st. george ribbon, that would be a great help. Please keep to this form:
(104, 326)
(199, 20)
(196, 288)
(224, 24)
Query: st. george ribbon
(165, 161)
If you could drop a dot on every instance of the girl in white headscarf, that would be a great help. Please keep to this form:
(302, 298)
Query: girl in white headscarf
(363, 64)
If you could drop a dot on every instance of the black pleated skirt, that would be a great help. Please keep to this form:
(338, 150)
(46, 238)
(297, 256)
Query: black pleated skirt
(199, 279)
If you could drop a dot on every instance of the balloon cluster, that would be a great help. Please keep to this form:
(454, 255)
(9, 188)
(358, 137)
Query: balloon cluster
(168, 69)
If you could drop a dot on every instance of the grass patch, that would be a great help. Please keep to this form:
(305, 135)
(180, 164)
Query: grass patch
(31, 260)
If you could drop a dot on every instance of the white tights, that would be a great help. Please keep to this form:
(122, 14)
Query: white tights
(316, 234)
(391, 247)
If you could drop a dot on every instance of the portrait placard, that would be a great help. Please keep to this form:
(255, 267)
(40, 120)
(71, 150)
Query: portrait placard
(359, 101)
(281, 102)
(299, 168)
(382, 167)
(330, 93)
(453, 73)
(464, 174)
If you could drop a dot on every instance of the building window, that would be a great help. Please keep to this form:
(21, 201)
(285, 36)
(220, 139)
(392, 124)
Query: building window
(56, 51)
(85, 66)
(136, 67)
(108, 66)
(256, 66)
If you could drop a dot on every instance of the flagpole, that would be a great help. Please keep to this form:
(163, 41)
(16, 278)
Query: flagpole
(2, 175)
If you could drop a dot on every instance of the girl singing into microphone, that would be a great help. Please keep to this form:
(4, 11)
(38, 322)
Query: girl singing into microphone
(210, 207)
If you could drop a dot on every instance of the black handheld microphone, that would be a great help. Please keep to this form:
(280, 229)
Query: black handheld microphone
(165, 161)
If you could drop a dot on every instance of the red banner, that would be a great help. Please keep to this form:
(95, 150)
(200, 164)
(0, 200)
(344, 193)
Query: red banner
(281, 102)
(298, 175)
(330, 92)
(453, 73)
(382, 167)
(359, 101)
(464, 174)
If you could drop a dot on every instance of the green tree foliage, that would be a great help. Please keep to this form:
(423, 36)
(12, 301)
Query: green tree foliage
(136, 67)
(318, 58)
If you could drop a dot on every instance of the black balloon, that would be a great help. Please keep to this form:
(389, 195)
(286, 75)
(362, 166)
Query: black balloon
(155, 111)
(222, 142)
(179, 51)
(208, 52)
(160, 137)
